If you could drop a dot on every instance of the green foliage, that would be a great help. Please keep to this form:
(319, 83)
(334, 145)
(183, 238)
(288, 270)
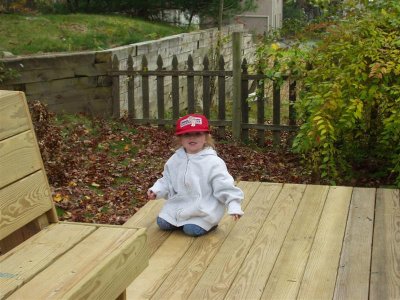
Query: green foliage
(148, 9)
(350, 104)
(294, 19)
(27, 34)
(280, 61)
(6, 73)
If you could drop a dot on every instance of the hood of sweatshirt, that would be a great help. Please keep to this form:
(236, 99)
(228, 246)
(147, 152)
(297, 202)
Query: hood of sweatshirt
(205, 152)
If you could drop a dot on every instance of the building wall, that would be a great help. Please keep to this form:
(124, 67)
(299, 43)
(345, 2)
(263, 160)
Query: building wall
(78, 82)
(267, 16)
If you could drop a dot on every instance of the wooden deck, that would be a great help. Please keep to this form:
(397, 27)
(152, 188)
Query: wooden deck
(294, 242)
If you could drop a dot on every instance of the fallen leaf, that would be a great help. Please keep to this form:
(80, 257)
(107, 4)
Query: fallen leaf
(57, 197)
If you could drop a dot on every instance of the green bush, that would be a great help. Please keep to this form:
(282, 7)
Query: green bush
(6, 73)
(350, 104)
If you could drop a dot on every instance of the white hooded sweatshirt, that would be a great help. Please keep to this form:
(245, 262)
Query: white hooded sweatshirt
(197, 188)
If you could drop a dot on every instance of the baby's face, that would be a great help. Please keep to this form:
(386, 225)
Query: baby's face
(193, 142)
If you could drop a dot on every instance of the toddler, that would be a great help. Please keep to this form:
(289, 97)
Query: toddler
(195, 182)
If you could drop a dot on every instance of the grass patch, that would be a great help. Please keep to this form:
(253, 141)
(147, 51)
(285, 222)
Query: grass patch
(268, 108)
(122, 146)
(96, 189)
(60, 212)
(121, 180)
(76, 122)
(28, 34)
(104, 209)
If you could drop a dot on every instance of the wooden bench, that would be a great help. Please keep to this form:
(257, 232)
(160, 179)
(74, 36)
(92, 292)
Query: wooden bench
(42, 258)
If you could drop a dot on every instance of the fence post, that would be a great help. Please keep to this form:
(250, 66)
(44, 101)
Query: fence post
(244, 104)
(115, 89)
(131, 89)
(221, 95)
(160, 90)
(236, 93)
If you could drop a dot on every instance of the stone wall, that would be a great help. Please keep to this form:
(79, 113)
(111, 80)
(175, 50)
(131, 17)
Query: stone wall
(78, 82)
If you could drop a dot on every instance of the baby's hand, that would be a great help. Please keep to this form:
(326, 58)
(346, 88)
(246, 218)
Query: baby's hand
(151, 195)
(236, 217)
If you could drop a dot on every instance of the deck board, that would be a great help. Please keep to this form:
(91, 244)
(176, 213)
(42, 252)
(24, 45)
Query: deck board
(252, 277)
(216, 280)
(327, 246)
(294, 242)
(146, 218)
(385, 270)
(355, 262)
(285, 279)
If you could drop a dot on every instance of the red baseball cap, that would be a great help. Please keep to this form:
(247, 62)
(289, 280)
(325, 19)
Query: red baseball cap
(192, 123)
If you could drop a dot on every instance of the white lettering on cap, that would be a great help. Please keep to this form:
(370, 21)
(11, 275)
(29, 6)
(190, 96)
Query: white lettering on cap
(192, 121)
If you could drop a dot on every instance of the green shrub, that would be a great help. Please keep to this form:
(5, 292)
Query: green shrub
(6, 73)
(350, 104)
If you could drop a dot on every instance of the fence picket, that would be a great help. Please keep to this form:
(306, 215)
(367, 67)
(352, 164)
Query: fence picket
(276, 117)
(175, 89)
(236, 81)
(292, 100)
(221, 95)
(160, 91)
(206, 88)
(260, 110)
(244, 103)
(145, 89)
(190, 86)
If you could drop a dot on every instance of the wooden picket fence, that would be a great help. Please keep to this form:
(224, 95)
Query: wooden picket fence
(249, 83)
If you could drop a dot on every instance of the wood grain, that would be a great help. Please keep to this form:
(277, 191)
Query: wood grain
(253, 274)
(298, 253)
(60, 85)
(112, 274)
(23, 201)
(30, 258)
(18, 157)
(355, 262)
(320, 275)
(161, 264)
(221, 272)
(89, 270)
(72, 95)
(385, 269)
(13, 116)
(24, 233)
(285, 278)
(55, 72)
(146, 218)
(59, 60)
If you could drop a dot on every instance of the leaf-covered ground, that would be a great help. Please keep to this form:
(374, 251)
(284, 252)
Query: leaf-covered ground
(99, 170)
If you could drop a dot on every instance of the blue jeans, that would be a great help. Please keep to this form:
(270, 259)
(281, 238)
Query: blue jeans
(189, 229)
